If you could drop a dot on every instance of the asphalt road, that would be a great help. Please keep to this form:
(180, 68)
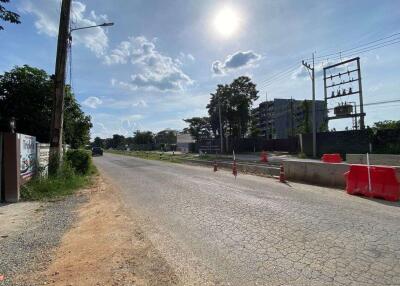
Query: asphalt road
(215, 230)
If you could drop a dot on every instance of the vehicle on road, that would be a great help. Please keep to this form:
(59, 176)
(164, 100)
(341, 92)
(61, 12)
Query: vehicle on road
(97, 151)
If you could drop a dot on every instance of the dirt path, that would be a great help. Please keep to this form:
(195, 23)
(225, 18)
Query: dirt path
(105, 247)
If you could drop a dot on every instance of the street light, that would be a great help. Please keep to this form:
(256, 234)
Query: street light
(94, 26)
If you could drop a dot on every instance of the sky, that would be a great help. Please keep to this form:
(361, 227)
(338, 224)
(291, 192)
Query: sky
(161, 60)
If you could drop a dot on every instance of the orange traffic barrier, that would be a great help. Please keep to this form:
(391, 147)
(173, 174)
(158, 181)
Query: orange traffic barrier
(332, 158)
(377, 182)
(215, 166)
(263, 157)
(234, 168)
(282, 175)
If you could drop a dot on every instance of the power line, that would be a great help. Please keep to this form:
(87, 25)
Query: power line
(360, 49)
(359, 46)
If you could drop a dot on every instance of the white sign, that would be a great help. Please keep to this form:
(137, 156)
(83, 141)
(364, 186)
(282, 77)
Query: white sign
(28, 155)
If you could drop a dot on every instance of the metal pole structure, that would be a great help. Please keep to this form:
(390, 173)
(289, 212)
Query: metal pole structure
(362, 126)
(266, 115)
(313, 110)
(314, 123)
(56, 129)
(220, 126)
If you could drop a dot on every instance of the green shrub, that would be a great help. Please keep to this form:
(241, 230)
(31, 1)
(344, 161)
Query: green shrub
(66, 182)
(80, 160)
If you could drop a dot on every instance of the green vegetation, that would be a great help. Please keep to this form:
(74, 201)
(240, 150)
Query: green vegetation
(77, 172)
(7, 15)
(26, 94)
(80, 160)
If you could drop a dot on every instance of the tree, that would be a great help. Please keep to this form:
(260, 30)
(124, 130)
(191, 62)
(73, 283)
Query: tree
(199, 127)
(26, 93)
(386, 124)
(235, 100)
(118, 141)
(7, 15)
(305, 126)
(98, 142)
(143, 137)
(166, 136)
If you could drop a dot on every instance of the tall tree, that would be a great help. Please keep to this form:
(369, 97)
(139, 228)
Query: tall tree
(235, 100)
(199, 127)
(7, 15)
(26, 93)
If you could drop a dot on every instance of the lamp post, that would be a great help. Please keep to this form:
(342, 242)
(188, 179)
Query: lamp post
(56, 128)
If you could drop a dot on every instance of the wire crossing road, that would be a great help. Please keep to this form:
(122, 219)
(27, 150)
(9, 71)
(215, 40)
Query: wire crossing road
(215, 230)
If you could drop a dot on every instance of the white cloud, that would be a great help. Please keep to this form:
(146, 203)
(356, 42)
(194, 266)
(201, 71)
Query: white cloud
(302, 73)
(157, 71)
(140, 103)
(47, 13)
(92, 102)
(235, 61)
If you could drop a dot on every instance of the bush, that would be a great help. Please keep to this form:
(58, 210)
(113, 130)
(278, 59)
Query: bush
(80, 160)
(66, 182)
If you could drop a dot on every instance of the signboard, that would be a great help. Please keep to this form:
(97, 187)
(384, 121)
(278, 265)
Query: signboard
(27, 155)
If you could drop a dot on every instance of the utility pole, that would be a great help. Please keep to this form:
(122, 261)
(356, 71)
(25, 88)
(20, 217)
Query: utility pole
(56, 130)
(311, 71)
(220, 126)
(266, 115)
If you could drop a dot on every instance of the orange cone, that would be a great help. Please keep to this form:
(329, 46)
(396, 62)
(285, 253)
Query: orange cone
(234, 168)
(282, 175)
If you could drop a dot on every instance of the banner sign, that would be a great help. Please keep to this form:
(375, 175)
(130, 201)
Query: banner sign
(28, 155)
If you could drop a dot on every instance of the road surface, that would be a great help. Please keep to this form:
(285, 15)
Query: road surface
(215, 230)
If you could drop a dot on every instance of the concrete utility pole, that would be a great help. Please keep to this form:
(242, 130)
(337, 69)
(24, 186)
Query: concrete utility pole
(56, 130)
(266, 115)
(311, 71)
(220, 126)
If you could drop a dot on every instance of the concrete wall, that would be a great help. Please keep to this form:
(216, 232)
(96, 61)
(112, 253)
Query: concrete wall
(374, 159)
(316, 173)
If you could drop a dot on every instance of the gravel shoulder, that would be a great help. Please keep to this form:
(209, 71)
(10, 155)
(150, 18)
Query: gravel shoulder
(29, 233)
(87, 239)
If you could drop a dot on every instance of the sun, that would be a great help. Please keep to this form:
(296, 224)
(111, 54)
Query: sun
(227, 21)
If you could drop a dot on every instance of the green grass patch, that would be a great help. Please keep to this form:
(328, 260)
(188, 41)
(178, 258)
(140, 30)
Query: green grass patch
(65, 183)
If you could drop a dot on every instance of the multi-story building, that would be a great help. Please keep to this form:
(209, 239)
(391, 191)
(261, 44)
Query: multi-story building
(282, 118)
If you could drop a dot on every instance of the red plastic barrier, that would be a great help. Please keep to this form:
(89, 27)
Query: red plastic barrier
(384, 183)
(331, 158)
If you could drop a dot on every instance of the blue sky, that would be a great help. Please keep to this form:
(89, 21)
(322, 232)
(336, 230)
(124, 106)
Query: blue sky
(161, 59)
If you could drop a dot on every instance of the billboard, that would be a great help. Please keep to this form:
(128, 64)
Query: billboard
(27, 155)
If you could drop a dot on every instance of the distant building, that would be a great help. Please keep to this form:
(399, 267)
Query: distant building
(288, 117)
(184, 141)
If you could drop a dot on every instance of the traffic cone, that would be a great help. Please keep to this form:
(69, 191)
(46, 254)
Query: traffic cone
(264, 157)
(282, 175)
(215, 166)
(234, 168)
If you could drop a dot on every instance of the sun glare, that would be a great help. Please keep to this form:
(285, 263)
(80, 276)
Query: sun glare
(226, 22)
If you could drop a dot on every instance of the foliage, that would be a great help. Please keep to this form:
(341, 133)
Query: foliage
(26, 93)
(98, 142)
(7, 15)
(143, 137)
(235, 101)
(63, 184)
(199, 127)
(76, 124)
(166, 137)
(80, 160)
(386, 124)
(305, 126)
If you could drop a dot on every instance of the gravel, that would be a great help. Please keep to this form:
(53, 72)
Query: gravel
(31, 250)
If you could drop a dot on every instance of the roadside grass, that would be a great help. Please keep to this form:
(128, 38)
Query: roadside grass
(161, 156)
(65, 183)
